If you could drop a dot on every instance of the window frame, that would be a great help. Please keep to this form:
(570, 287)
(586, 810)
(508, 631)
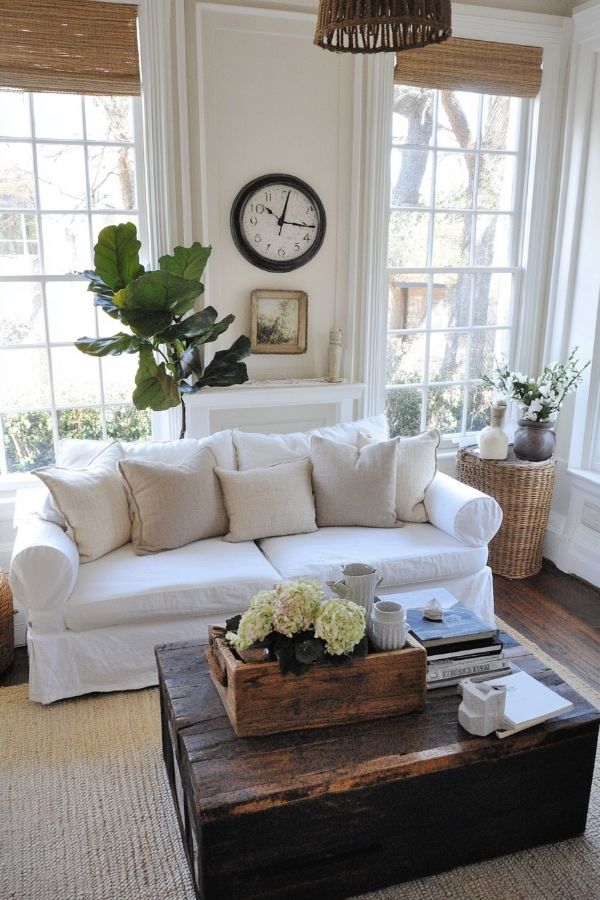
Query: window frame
(87, 213)
(552, 33)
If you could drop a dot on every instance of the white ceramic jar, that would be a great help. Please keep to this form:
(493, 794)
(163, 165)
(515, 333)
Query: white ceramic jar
(388, 628)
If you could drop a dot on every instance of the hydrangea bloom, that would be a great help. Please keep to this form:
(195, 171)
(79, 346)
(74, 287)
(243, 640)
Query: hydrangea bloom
(341, 624)
(256, 623)
(296, 605)
(540, 398)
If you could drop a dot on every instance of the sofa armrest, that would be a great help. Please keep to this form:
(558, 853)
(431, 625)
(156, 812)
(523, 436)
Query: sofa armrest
(44, 565)
(467, 514)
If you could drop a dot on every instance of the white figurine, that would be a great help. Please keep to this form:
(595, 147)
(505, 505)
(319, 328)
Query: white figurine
(482, 707)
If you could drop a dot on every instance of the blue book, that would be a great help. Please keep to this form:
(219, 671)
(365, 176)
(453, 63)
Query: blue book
(459, 625)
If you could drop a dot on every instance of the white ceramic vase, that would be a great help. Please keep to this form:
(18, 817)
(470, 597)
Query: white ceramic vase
(388, 627)
(493, 440)
(359, 585)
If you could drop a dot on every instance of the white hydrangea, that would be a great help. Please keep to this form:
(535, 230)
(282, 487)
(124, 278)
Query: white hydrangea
(341, 624)
(296, 605)
(256, 623)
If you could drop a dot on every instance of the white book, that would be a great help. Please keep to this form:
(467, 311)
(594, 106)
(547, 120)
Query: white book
(456, 679)
(462, 669)
(528, 702)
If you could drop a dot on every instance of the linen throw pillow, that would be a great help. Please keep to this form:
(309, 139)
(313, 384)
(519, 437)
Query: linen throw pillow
(173, 505)
(354, 486)
(268, 501)
(93, 503)
(417, 465)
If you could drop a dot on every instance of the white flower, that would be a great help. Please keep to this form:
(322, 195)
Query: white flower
(296, 605)
(256, 623)
(341, 624)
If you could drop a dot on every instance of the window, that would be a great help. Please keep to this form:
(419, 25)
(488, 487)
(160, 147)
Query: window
(67, 169)
(453, 253)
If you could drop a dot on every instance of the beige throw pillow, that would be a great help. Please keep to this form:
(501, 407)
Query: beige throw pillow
(173, 505)
(417, 464)
(93, 503)
(354, 486)
(269, 501)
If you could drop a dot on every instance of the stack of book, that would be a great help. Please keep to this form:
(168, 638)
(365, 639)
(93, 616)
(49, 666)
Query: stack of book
(460, 646)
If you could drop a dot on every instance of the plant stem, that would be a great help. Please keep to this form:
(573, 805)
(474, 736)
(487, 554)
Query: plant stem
(183, 419)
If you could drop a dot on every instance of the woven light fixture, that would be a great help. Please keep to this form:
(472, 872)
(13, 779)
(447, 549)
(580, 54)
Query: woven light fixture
(381, 26)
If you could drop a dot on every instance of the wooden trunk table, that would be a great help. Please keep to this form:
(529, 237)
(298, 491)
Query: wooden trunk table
(335, 812)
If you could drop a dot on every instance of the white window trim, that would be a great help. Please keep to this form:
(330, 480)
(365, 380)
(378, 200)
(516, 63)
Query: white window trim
(552, 33)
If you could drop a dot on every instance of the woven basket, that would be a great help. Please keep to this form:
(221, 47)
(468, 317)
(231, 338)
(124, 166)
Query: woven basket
(524, 492)
(7, 628)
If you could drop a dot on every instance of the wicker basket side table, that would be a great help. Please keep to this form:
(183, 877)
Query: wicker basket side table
(524, 492)
(7, 628)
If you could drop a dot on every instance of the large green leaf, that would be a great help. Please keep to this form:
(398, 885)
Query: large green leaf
(190, 327)
(226, 367)
(188, 262)
(116, 255)
(191, 362)
(149, 303)
(109, 346)
(154, 387)
(106, 303)
(96, 284)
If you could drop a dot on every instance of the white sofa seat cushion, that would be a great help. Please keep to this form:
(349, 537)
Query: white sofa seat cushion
(408, 555)
(208, 577)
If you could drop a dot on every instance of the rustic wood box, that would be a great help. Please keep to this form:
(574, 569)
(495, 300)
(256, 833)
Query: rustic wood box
(260, 700)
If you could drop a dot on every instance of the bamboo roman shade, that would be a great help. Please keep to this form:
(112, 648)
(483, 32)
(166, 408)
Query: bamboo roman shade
(464, 65)
(83, 47)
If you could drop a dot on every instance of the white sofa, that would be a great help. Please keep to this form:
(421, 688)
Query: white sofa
(94, 626)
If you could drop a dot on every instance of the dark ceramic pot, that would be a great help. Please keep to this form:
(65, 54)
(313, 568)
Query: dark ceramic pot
(534, 441)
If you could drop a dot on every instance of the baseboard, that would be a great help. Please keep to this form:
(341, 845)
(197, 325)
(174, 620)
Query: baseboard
(573, 547)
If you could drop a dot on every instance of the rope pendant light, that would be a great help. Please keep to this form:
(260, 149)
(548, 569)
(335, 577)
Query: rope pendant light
(381, 26)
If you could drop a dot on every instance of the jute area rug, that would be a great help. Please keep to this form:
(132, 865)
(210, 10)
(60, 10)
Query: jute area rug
(86, 814)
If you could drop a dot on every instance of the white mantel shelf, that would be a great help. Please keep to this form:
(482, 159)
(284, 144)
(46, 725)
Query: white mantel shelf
(335, 402)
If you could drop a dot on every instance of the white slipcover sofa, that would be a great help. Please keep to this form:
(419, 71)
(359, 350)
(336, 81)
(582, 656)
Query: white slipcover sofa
(93, 626)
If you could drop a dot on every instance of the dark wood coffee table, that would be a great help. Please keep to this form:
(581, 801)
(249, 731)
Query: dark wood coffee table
(334, 812)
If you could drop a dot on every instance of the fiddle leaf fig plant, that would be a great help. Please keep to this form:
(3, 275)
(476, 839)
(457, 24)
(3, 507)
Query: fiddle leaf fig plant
(154, 307)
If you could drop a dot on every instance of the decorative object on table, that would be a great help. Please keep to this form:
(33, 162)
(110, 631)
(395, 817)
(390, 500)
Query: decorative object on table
(260, 700)
(524, 492)
(152, 305)
(493, 440)
(359, 585)
(459, 625)
(300, 627)
(278, 222)
(388, 629)
(540, 400)
(433, 611)
(7, 628)
(480, 711)
(278, 321)
(381, 26)
(334, 356)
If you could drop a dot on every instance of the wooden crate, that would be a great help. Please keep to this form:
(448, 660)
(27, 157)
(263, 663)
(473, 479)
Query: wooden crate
(260, 700)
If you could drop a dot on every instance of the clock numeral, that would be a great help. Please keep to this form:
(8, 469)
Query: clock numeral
(268, 196)
(281, 252)
(259, 208)
(267, 247)
(306, 237)
(257, 238)
(310, 209)
(296, 247)
(253, 220)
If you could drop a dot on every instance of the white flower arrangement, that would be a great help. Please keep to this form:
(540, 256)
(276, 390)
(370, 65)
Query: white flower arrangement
(541, 398)
(299, 627)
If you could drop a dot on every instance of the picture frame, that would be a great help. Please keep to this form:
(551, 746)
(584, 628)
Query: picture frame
(278, 321)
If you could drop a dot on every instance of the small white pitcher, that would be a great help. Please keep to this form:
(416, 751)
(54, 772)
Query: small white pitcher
(359, 585)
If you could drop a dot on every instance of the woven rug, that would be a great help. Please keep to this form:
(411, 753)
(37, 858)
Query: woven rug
(86, 814)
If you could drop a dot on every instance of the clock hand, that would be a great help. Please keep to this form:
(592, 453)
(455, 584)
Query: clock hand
(300, 224)
(281, 218)
(270, 211)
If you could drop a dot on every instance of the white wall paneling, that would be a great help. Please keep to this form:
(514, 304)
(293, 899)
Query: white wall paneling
(270, 101)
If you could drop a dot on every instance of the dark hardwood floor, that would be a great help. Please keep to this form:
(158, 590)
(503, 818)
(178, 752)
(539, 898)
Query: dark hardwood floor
(557, 612)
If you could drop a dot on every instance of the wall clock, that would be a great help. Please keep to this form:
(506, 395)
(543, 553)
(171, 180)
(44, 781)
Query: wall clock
(278, 222)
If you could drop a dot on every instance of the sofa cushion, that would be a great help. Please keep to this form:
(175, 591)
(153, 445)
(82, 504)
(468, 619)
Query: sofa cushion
(254, 450)
(205, 578)
(173, 505)
(93, 503)
(405, 555)
(270, 500)
(417, 463)
(354, 486)
(175, 452)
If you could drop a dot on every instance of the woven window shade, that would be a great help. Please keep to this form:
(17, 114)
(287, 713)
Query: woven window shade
(80, 47)
(464, 65)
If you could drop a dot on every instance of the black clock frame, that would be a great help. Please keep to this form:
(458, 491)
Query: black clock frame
(247, 251)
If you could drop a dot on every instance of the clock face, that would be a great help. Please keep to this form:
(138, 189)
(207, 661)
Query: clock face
(278, 222)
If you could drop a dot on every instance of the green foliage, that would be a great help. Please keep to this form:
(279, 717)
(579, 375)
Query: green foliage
(154, 306)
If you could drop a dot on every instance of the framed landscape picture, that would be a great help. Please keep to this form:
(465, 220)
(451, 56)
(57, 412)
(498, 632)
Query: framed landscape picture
(278, 321)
